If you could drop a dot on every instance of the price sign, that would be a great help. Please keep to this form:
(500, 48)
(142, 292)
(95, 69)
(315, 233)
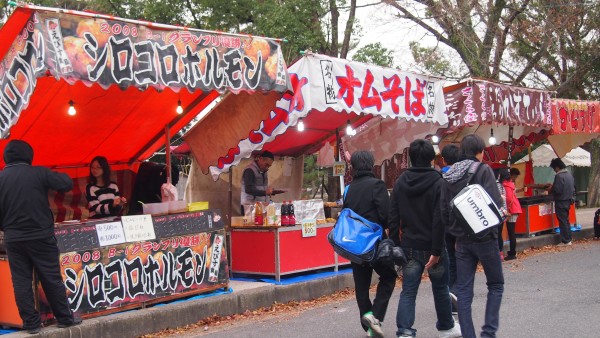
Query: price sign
(138, 228)
(339, 168)
(110, 233)
(309, 227)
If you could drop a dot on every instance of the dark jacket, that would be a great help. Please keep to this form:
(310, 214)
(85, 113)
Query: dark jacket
(368, 197)
(484, 177)
(563, 188)
(24, 209)
(415, 210)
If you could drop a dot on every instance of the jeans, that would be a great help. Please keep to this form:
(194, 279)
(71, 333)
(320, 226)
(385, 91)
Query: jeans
(450, 244)
(562, 213)
(510, 228)
(412, 272)
(468, 254)
(362, 275)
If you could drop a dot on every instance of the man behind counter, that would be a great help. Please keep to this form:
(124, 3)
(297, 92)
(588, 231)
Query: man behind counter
(255, 181)
(28, 226)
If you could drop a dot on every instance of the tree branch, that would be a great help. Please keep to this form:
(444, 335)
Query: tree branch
(348, 30)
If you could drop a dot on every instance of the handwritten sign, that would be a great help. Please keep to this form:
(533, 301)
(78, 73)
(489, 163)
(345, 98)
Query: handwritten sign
(309, 227)
(138, 228)
(110, 233)
(339, 168)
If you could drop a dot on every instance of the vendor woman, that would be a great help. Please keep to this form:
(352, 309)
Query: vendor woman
(102, 194)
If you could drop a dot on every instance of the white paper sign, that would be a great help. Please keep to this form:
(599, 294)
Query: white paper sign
(110, 233)
(138, 228)
(309, 227)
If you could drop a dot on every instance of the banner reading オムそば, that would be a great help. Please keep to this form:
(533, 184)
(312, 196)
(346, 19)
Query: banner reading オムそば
(77, 46)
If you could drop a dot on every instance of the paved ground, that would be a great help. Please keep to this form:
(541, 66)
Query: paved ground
(564, 282)
(552, 294)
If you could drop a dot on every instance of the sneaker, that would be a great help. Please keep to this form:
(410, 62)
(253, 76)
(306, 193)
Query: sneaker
(451, 333)
(510, 257)
(34, 330)
(372, 323)
(565, 244)
(404, 335)
(76, 321)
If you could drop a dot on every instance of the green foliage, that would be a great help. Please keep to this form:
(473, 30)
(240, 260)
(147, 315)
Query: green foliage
(375, 53)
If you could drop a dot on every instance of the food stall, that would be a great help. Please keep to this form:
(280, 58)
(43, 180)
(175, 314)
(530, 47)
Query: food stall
(332, 97)
(573, 123)
(75, 85)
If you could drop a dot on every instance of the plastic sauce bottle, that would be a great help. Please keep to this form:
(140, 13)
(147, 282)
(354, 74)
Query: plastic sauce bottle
(291, 215)
(284, 214)
(258, 214)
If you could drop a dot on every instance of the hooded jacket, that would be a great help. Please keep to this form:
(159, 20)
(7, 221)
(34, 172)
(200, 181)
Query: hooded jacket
(24, 209)
(368, 197)
(415, 210)
(484, 176)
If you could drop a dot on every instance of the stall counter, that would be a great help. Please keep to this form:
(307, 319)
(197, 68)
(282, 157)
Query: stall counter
(277, 251)
(538, 216)
(110, 265)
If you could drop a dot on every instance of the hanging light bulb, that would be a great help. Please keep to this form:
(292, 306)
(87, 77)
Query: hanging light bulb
(300, 125)
(492, 139)
(179, 109)
(435, 139)
(71, 111)
(349, 130)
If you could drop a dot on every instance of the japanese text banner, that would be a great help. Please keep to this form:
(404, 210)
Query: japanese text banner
(572, 116)
(322, 84)
(77, 46)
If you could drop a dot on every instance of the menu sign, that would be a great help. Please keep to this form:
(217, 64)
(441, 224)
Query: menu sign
(138, 228)
(110, 233)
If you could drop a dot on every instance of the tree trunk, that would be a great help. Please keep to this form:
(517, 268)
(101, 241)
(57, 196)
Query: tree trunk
(593, 198)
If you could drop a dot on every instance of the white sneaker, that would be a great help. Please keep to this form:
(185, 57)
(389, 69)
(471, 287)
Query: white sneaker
(565, 244)
(451, 333)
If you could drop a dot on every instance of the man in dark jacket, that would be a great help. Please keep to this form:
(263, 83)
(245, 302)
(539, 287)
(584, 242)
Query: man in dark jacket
(28, 226)
(368, 197)
(471, 249)
(562, 190)
(415, 211)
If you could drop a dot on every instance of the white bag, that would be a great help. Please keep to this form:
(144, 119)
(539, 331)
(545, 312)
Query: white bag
(475, 210)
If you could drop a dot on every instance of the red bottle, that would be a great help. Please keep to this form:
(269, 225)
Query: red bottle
(291, 215)
(284, 214)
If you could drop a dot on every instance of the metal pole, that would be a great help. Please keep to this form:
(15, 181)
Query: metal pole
(168, 153)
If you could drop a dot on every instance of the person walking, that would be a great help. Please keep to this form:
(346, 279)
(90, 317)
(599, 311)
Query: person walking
(470, 249)
(416, 193)
(450, 155)
(562, 190)
(368, 197)
(514, 209)
(28, 225)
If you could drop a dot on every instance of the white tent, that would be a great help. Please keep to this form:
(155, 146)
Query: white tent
(542, 156)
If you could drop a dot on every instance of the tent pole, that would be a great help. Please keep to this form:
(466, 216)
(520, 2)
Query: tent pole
(510, 145)
(168, 153)
(338, 142)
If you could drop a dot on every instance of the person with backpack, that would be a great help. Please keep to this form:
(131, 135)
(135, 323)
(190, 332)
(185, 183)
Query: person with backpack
(368, 197)
(472, 249)
(416, 193)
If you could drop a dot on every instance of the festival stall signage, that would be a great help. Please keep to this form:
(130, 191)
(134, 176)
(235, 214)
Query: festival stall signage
(94, 48)
(509, 112)
(187, 256)
(325, 84)
(574, 123)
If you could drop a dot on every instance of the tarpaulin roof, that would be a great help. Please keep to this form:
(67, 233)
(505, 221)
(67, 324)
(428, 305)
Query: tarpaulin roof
(543, 154)
(479, 106)
(574, 123)
(123, 77)
(328, 93)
